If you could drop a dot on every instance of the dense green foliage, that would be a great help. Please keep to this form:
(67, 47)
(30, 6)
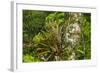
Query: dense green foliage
(56, 36)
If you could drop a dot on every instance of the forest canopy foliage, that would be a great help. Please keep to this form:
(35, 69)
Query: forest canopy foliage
(56, 36)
